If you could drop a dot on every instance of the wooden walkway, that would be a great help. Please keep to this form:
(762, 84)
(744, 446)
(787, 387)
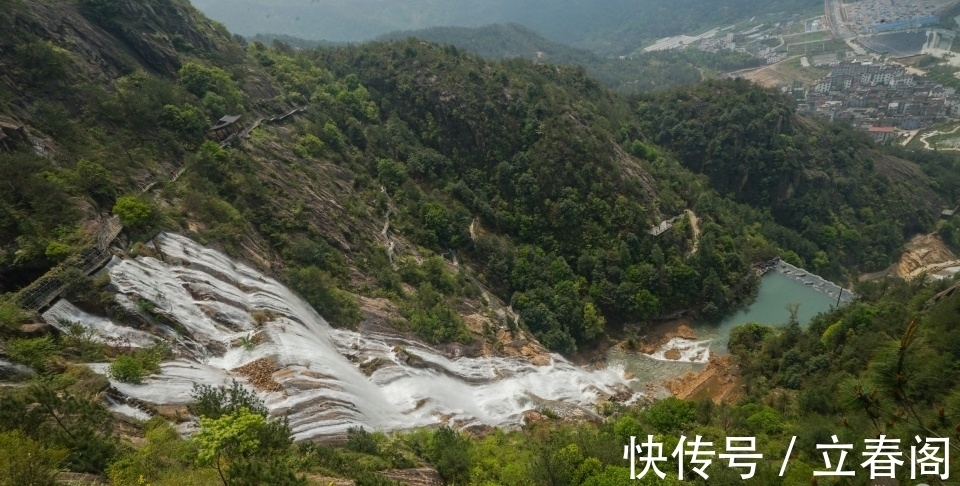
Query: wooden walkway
(44, 290)
(246, 132)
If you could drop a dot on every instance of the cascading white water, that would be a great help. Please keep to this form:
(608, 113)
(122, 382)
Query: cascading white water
(323, 392)
(687, 350)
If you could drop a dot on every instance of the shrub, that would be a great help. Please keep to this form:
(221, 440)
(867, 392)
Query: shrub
(309, 146)
(83, 343)
(11, 316)
(24, 461)
(128, 370)
(57, 252)
(33, 352)
(41, 61)
(133, 212)
(359, 440)
(318, 289)
(133, 368)
(215, 402)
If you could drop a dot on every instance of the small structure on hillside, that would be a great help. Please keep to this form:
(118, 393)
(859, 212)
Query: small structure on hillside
(660, 228)
(881, 134)
(228, 126)
(663, 226)
(947, 213)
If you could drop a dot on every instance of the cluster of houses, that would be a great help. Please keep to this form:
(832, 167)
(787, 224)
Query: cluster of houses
(743, 42)
(877, 97)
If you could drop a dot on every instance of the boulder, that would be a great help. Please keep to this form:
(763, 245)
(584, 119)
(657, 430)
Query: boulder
(37, 329)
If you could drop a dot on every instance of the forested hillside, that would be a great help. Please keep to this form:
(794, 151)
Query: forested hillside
(636, 73)
(606, 27)
(849, 202)
(433, 183)
(437, 140)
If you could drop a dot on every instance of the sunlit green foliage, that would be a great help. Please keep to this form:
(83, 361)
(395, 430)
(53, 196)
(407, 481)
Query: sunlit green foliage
(133, 211)
(26, 462)
(241, 443)
(141, 363)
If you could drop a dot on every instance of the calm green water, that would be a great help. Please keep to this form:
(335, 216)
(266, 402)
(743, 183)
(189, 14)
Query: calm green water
(775, 293)
(770, 308)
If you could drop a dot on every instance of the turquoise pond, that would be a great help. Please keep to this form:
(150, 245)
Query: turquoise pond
(776, 292)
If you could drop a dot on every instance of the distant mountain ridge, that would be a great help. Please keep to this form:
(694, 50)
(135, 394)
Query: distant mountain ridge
(605, 26)
(628, 74)
(501, 41)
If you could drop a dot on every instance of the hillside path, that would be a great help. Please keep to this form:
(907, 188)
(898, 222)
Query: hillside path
(695, 225)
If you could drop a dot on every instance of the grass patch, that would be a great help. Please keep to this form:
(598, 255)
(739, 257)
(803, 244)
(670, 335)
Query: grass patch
(820, 35)
(834, 45)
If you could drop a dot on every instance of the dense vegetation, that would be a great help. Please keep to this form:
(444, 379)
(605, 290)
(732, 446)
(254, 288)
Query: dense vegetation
(882, 365)
(849, 204)
(524, 153)
(607, 27)
(630, 74)
(489, 164)
(493, 161)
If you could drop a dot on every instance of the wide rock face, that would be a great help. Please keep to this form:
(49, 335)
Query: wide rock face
(228, 321)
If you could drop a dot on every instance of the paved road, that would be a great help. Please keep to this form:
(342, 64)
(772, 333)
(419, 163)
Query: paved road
(833, 9)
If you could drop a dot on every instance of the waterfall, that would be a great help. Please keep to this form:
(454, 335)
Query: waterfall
(203, 302)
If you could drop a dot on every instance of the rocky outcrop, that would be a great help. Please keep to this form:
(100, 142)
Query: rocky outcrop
(421, 476)
(99, 55)
(154, 48)
(36, 330)
(14, 371)
(79, 478)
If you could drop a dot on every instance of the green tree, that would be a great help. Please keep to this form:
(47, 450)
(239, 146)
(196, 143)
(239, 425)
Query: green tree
(593, 322)
(450, 454)
(230, 437)
(240, 442)
(133, 212)
(671, 414)
(187, 121)
(82, 426)
(199, 80)
(95, 180)
(319, 289)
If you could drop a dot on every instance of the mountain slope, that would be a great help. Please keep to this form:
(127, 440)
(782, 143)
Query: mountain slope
(636, 73)
(856, 201)
(449, 205)
(515, 151)
(407, 150)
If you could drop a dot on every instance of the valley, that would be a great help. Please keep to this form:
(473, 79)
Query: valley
(229, 260)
